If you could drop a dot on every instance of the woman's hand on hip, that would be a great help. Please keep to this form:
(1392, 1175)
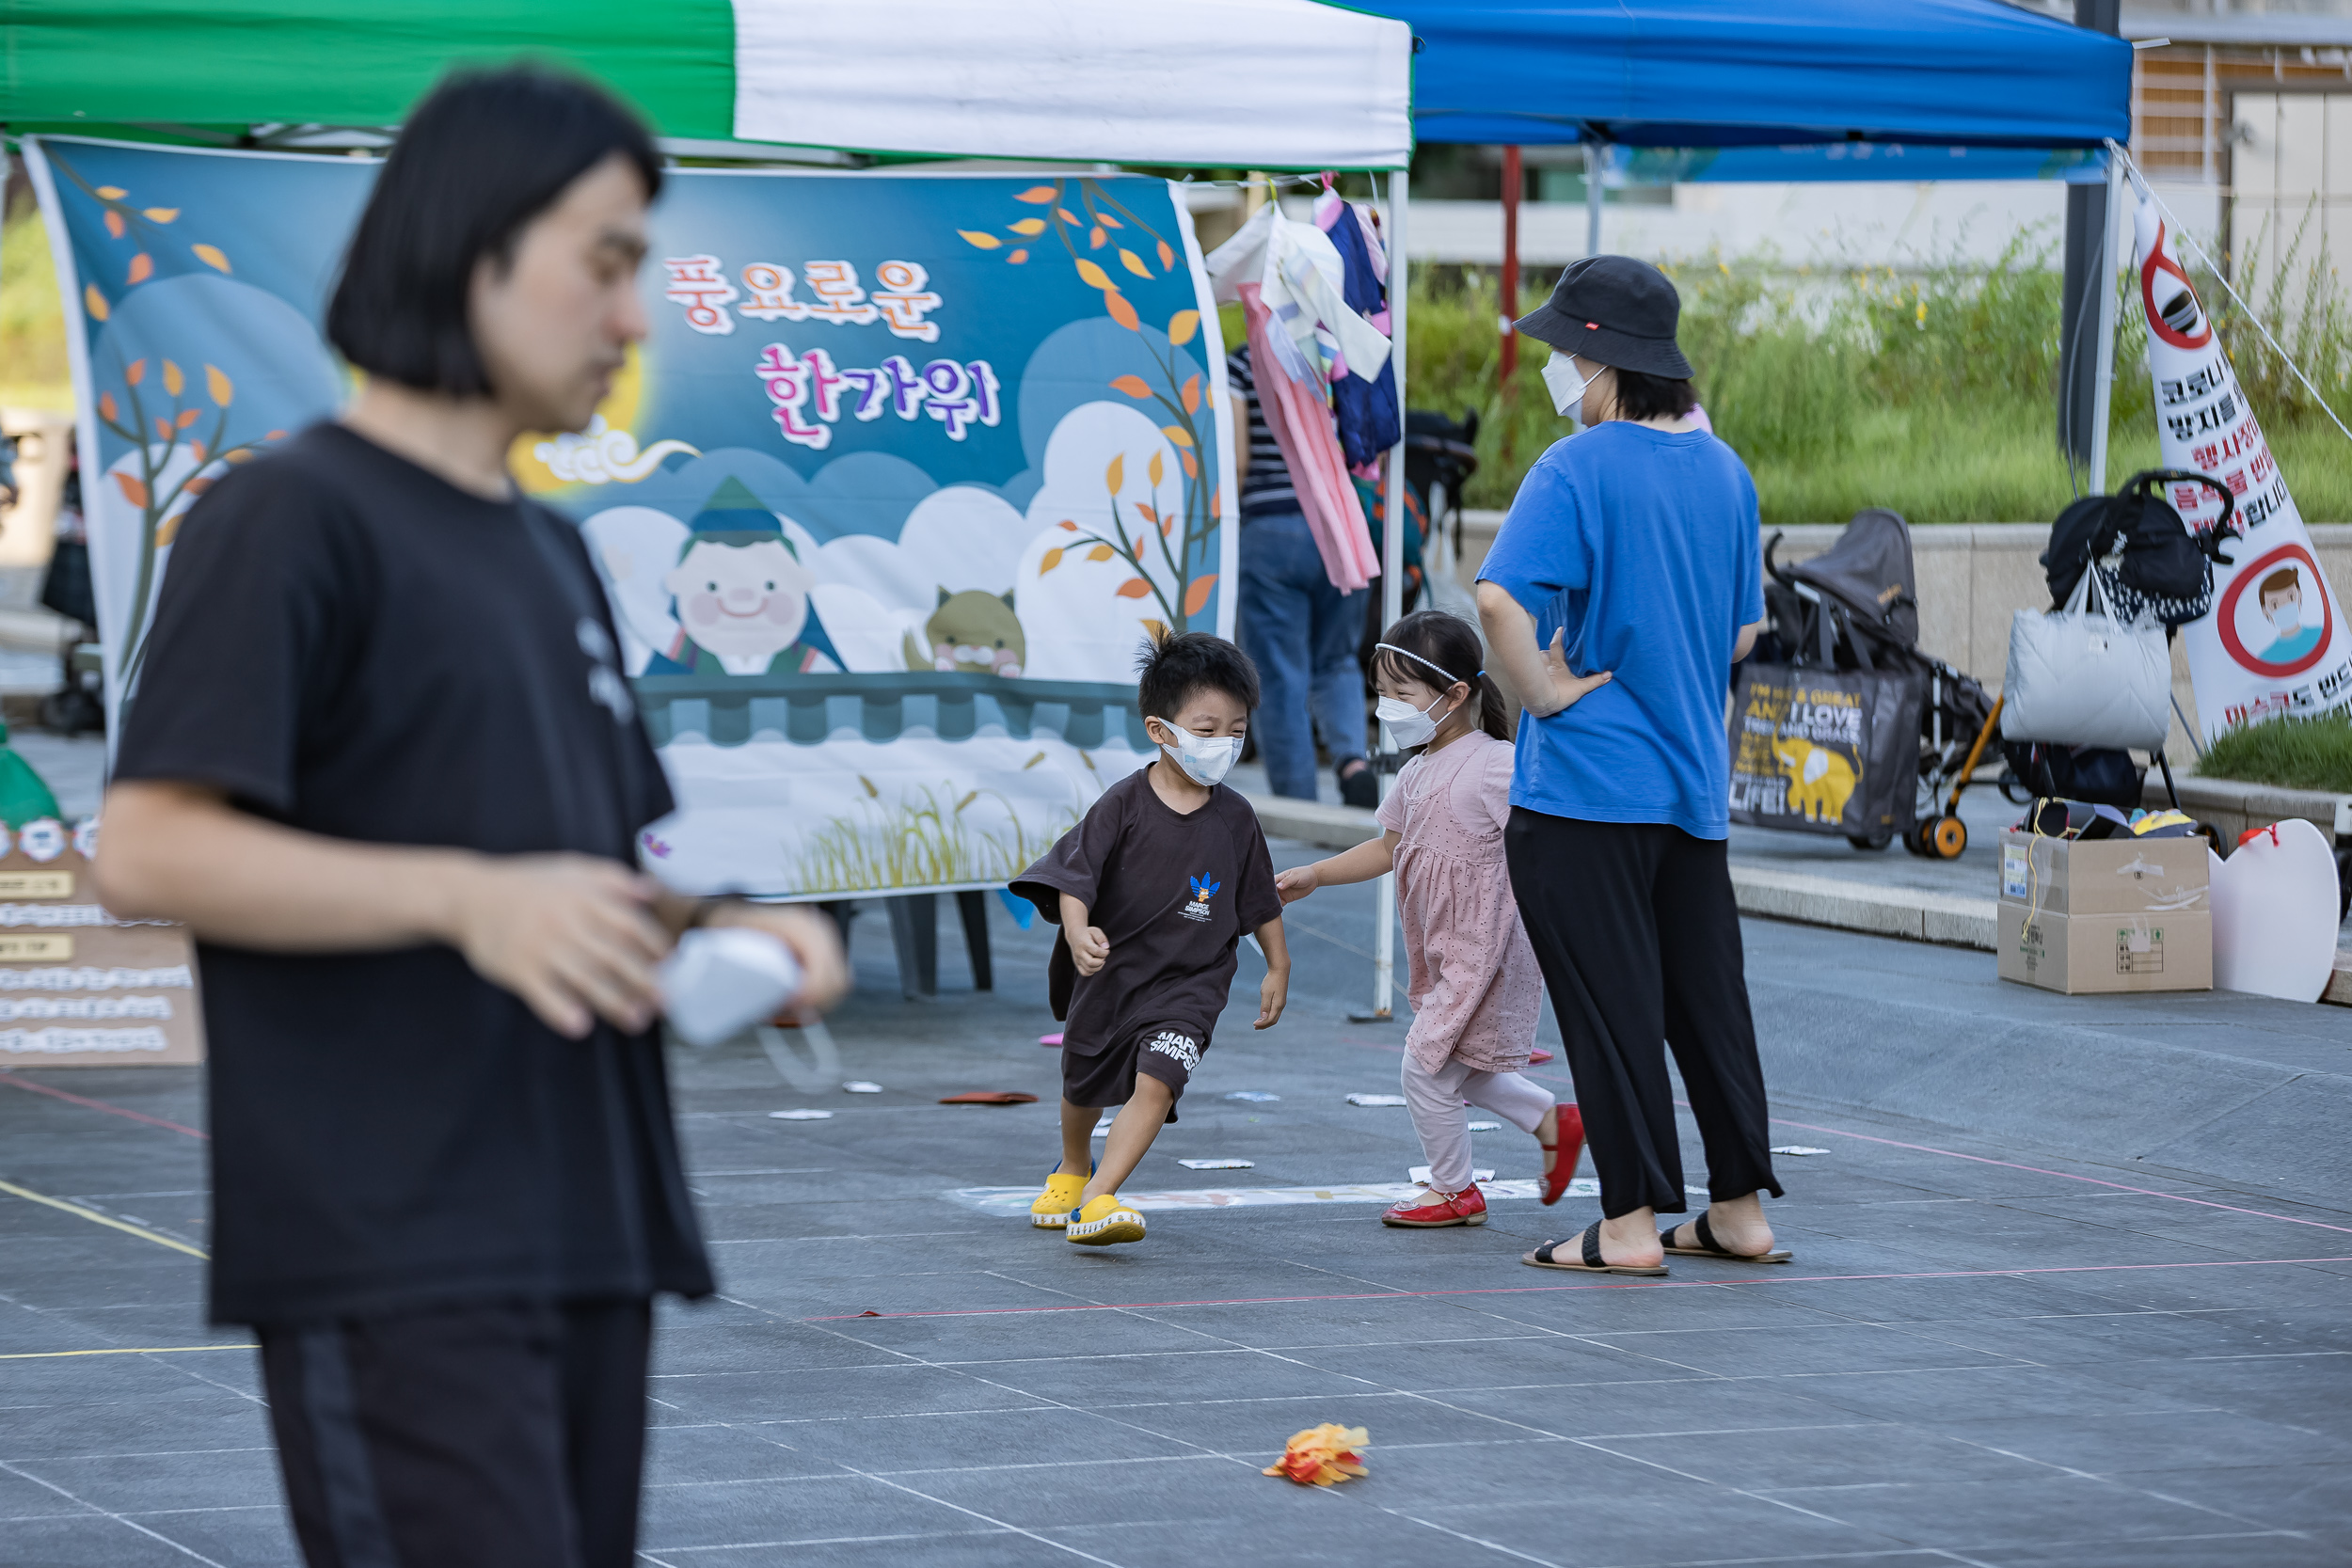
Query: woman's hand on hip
(1564, 687)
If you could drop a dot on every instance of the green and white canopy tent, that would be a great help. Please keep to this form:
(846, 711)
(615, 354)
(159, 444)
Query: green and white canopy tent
(1291, 85)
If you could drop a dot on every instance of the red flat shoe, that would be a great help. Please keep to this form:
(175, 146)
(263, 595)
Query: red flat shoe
(1467, 1207)
(1569, 1129)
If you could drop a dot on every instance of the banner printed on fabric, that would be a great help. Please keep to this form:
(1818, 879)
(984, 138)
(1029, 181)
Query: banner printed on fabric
(886, 504)
(2275, 642)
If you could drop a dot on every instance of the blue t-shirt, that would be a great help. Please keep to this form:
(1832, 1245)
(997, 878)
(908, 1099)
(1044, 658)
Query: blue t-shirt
(1643, 543)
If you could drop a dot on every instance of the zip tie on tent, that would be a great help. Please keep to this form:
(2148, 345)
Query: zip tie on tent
(2139, 182)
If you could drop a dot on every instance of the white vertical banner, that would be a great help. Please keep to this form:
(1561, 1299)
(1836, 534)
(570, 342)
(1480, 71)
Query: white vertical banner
(2275, 642)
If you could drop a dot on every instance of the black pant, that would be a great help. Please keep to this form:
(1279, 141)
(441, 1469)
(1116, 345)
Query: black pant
(1635, 930)
(494, 1435)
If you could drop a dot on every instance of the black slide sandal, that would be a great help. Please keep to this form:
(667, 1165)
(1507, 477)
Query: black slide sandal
(1710, 1248)
(1588, 1247)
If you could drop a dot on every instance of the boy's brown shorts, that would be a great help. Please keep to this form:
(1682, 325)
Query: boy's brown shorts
(1167, 1052)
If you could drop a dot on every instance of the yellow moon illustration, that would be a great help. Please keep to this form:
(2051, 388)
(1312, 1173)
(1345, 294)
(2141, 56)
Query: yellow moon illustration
(619, 409)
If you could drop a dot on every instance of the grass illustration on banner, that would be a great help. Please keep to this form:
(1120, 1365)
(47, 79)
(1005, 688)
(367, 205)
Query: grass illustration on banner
(926, 838)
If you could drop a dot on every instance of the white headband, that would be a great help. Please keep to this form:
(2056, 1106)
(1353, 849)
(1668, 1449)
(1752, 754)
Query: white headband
(1450, 676)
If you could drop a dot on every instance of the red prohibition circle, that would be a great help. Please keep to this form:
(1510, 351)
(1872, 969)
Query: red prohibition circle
(2247, 575)
(2159, 263)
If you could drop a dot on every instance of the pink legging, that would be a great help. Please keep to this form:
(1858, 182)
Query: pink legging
(1435, 1099)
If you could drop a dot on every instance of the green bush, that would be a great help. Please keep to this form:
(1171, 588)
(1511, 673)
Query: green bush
(2289, 753)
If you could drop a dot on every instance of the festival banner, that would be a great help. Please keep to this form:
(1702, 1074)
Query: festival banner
(2275, 642)
(886, 505)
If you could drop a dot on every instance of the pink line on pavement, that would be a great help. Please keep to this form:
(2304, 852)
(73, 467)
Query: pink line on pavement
(1626, 1285)
(8, 1075)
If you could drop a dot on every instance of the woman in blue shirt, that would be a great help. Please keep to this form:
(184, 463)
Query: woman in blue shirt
(1631, 551)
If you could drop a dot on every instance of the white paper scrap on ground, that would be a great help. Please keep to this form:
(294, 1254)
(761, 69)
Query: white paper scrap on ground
(1419, 1176)
(1486, 1126)
(1376, 1100)
(801, 1116)
(1217, 1164)
(1255, 1097)
(1016, 1200)
(2275, 642)
(1104, 1126)
(1798, 1149)
(859, 1086)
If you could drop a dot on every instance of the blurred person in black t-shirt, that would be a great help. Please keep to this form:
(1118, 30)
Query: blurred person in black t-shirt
(382, 760)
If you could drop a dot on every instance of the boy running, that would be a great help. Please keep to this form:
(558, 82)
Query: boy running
(1153, 891)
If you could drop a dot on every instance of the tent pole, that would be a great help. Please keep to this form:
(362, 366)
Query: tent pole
(1595, 156)
(2103, 279)
(1392, 576)
(1512, 178)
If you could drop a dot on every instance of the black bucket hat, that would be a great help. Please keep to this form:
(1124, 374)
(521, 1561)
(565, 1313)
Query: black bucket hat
(1612, 311)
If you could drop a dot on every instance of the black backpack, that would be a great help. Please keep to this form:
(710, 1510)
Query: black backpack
(2167, 572)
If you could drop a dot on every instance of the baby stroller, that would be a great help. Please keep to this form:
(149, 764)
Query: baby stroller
(1857, 608)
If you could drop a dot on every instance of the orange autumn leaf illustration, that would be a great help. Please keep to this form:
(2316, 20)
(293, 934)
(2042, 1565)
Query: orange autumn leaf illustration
(211, 257)
(107, 406)
(114, 224)
(1048, 561)
(142, 268)
(1121, 312)
(1192, 470)
(162, 428)
(1182, 325)
(166, 531)
(1115, 476)
(1192, 395)
(93, 302)
(1177, 434)
(1036, 194)
(1135, 386)
(1067, 216)
(188, 417)
(1028, 228)
(173, 380)
(1096, 239)
(1017, 256)
(1134, 588)
(200, 451)
(1067, 526)
(1144, 510)
(1099, 552)
(1154, 469)
(160, 214)
(1133, 263)
(985, 242)
(111, 193)
(224, 392)
(1095, 276)
(1167, 257)
(1197, 595)
(1112, 221)
(133, 489)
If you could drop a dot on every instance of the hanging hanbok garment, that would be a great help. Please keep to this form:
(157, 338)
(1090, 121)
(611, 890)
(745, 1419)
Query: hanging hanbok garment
(1302, 427)
(1369, 424)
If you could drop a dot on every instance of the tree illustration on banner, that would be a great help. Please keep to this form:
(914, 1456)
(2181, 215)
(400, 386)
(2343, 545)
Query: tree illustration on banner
(1170, 544)
(180, 440)
(2275, 642)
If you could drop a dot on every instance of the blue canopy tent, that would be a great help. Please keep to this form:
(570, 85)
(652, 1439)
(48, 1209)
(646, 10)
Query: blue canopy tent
(1820, 90)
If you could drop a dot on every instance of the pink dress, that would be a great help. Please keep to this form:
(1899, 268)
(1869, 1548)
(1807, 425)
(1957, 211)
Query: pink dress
(1471, 975)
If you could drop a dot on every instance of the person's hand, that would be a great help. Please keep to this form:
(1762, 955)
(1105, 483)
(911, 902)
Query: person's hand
(1273, 992)
(573, 935)
(814, 941)
(1566, 689)
(1088, 946)
(1296, 883)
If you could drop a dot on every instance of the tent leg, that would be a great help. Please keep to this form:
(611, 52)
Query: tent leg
(1512, 178)
(1391, 588)
(2103, 387)
(1595, 159)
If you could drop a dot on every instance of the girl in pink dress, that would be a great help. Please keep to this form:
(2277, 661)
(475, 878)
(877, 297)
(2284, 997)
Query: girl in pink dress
(1471, 977)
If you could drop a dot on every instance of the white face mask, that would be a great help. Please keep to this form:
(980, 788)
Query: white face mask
(1205, 759)
(1560, 380)
(1408, 726)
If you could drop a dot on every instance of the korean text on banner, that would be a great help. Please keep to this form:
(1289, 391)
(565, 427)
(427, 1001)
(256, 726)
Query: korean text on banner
(2275, 642)
(886, 505)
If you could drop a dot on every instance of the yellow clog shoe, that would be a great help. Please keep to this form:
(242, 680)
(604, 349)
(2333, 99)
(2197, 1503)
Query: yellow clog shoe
(1051, 1211)
(1104, 1221)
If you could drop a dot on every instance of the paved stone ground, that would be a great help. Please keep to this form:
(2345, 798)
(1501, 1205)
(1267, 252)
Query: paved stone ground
(1985, 1353)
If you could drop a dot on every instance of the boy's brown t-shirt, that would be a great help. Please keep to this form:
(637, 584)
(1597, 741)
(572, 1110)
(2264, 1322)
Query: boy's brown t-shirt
(1172, 893)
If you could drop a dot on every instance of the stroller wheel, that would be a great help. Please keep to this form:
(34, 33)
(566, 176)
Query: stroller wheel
(1872, 841)
(1947, 837)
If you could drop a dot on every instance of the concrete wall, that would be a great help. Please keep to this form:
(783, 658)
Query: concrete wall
(1973, 579)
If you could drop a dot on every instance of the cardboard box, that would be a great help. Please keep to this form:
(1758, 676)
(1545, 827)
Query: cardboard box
(2106, 876)
(2092, 953)
(79, 988)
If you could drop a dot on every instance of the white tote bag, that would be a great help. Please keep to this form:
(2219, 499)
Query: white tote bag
(2078, 676)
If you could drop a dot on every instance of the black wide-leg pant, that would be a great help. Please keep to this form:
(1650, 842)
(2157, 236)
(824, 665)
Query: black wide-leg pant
(1636, 932)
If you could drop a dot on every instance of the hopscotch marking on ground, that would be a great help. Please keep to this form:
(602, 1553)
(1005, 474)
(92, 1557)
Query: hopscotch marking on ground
(1008, 1201)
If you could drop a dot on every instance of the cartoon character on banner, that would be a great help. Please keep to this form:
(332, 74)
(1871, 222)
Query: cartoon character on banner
(971, 632)
(2273, 644)
(742, 598)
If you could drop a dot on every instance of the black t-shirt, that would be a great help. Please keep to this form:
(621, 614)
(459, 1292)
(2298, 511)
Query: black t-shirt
(349, 645)
(1172, 892)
